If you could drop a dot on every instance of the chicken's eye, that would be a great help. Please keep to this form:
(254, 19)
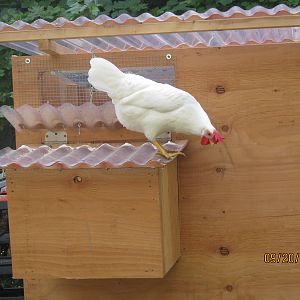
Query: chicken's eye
(209, 134)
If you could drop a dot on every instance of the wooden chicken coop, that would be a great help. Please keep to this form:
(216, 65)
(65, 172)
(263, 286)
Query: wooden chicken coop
(95, 213)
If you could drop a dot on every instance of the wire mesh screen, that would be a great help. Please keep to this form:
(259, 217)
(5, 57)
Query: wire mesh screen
(39, 80)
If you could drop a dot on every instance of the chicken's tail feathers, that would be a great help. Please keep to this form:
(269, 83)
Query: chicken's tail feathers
(103, 75)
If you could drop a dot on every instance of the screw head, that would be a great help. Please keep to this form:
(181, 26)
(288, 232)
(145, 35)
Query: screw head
(168, 56)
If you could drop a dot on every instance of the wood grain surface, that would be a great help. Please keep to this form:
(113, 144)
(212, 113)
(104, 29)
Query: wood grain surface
(241, 196)
(168, 190)
(112, 224)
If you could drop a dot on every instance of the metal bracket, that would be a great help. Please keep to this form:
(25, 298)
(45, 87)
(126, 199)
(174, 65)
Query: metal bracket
(56, 138)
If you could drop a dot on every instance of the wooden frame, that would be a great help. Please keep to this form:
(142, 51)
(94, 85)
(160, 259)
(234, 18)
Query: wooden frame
(26, 88)
(52, 48)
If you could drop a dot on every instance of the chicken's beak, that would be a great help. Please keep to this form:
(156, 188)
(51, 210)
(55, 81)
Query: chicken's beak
(215, 139)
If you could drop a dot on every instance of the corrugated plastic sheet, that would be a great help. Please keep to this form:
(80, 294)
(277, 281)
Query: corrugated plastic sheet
(158, 41)
(65, 116)
(104, 156)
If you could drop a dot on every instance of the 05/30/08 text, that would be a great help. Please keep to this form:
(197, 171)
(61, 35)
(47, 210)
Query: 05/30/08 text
(281, 258)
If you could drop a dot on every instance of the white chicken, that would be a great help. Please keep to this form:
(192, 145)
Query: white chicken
(150, 107)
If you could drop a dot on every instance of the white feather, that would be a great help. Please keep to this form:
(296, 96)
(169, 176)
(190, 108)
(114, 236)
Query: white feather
(146, 106)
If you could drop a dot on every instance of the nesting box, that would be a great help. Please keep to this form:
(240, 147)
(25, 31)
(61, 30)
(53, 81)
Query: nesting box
(94, 223)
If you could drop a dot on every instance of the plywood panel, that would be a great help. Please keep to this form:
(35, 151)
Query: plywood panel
(108, 225)
(242, 195)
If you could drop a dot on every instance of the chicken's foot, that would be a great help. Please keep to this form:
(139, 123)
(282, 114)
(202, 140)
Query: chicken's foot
(165, 152)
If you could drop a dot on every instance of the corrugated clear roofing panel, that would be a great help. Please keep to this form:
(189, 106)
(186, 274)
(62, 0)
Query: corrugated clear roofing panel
(133, 41)
(65, 116)
(30, 48)
(170, 40)
(103, 156)
(71, 44)
(102, 44)
(192, 39)
(79, 45)
(92, 44)
(117, 42)
(157, 41)
(152, 40)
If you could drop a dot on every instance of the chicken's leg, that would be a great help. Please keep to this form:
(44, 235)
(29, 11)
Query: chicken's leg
(166, 153)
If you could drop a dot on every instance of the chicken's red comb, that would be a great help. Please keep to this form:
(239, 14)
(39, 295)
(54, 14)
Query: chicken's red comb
(217, 137)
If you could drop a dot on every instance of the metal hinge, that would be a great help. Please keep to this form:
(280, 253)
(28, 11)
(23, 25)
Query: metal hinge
(56, 138)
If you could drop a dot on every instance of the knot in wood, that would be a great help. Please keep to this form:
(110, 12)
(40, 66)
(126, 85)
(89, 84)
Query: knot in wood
(225, 128)
(220, 89)
(224, 251)
(229, 288)
(77, 179)
(220, 170)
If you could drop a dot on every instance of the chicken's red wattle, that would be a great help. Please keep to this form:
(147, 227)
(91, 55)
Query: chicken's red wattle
(204, 141)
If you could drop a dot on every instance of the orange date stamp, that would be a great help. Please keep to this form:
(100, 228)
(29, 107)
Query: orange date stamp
(284, 258)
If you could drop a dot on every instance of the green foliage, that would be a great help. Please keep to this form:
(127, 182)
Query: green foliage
(5, 76)
(49, 10)
(203, 5)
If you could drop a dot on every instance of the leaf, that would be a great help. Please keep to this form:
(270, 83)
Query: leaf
(225, 2)
(93, 10)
